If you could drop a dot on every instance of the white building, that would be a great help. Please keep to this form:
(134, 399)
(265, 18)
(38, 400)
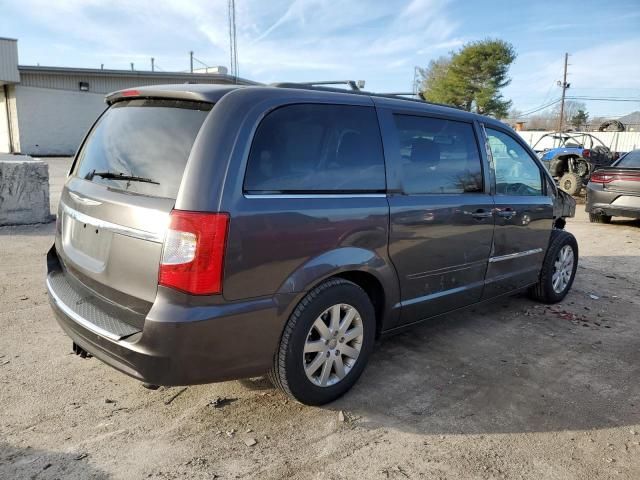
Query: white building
(47, 110)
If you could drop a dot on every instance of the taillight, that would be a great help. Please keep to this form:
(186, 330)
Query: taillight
(193, 252)
(130, 93)
(601, 177)
(586, 153)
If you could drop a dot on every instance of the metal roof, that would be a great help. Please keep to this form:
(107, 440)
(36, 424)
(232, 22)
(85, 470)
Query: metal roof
(48, 70)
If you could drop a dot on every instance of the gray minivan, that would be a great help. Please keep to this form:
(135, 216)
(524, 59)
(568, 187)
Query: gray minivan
(208, 233)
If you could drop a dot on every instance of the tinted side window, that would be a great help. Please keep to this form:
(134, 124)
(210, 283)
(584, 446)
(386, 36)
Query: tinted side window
(317, 148)
(438, 156)
(516, 172)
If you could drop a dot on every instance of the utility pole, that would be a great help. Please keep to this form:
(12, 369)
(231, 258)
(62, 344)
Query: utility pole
(153, 64)
(564, 86)
(191, 60)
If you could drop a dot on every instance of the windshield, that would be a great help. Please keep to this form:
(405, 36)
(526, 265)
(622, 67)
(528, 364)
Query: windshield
(630, 160)
(142, 145)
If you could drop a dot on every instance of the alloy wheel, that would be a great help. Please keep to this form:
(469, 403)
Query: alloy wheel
(563, 269)
(332, 345)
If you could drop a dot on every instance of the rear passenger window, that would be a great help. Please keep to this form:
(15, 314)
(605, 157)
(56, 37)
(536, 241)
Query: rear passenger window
(438, 156)
(316, 148)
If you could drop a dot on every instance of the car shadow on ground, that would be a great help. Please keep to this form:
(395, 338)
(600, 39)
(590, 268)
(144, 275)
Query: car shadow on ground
(511, 366)
(38, 464)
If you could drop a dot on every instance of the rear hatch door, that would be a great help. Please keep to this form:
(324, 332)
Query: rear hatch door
(115, 205)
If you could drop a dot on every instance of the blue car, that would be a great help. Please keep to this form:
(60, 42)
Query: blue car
(572, 158)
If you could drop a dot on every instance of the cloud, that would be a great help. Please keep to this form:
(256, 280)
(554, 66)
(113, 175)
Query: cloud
(277, 40)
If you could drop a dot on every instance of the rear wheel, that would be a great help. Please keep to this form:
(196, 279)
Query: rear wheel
(326, 343)
(558, 269)
(571, 183)
(598, 218)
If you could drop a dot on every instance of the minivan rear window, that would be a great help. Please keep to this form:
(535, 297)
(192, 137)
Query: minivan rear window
(316, 148)
(142, 145)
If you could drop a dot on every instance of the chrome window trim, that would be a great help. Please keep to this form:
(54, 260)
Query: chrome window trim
(77, 318)
(315, 195)
(514, 255)
(157, 237)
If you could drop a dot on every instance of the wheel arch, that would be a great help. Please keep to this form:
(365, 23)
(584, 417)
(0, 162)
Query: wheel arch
(373, 273)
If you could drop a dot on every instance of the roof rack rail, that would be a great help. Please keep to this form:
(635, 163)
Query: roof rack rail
(319, 86)
(355, 85)
(417, 95)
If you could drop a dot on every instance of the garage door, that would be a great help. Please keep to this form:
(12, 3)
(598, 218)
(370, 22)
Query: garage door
(4, 124)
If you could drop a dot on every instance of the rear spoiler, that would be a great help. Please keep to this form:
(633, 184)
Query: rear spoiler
(189, 92)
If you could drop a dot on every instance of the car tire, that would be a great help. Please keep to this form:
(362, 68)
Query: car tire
(558, 270)
(302, 346)
(571, 183)
(598, 218)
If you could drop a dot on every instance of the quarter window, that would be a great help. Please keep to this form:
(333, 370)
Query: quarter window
(438, 156)
(516, 172)
(317, 148)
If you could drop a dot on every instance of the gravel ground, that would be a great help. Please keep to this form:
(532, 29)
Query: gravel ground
(511, 390)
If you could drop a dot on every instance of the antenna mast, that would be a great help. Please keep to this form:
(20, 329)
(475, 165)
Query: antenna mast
(233, 49)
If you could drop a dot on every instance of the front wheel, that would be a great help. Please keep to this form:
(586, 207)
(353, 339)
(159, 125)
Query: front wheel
(558, 269)
(326, 343)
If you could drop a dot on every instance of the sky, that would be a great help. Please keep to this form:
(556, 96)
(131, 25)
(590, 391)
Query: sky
(379, 41)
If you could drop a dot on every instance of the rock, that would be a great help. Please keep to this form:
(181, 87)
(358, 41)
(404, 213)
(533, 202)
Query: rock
(594, 297)
(108, 400)
(633, 432)
(220, 402)
(250, 442)
(24, 190)
(341, 417)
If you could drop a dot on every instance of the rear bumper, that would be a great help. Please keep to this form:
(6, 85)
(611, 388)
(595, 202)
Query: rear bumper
(614, 204)
(182, 343)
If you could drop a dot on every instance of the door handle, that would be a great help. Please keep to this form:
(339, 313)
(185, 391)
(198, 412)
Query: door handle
(508, 213)
(481, 213)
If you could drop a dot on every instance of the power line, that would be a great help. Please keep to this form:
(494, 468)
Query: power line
(537, 109)
(201, 62)
(603, 99)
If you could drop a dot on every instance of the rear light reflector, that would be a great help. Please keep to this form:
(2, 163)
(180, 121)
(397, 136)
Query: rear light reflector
(193, 252)
(586, 153)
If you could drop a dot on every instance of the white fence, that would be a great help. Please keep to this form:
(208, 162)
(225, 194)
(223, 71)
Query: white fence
(616, 141)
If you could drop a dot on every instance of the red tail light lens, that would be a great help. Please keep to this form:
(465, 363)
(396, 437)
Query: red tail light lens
(193, 252)
(601, 177)
(586, 153)
(130, 93)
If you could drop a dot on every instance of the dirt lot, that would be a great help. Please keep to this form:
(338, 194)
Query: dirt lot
(512, 390)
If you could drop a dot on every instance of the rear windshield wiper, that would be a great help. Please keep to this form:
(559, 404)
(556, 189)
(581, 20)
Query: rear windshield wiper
(119, 176)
